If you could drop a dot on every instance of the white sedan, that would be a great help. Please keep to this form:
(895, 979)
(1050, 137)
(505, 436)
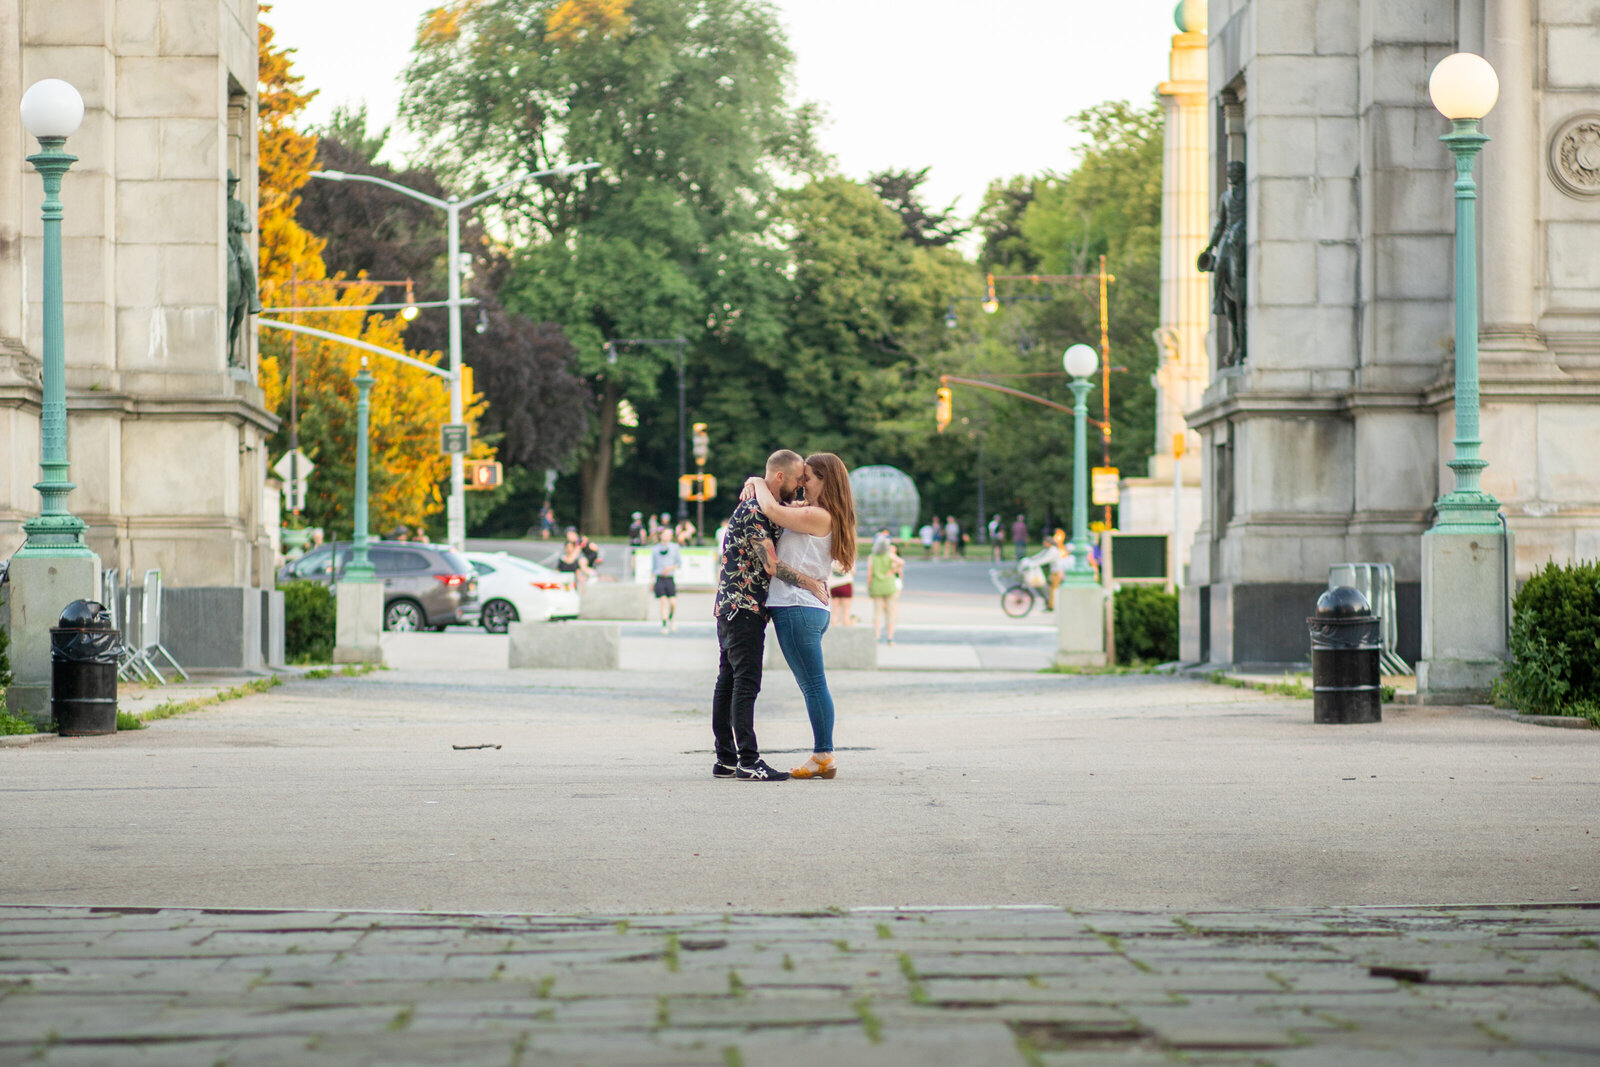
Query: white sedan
(512, 589)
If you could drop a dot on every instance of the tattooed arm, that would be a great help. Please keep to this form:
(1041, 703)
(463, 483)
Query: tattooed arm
(785, 573)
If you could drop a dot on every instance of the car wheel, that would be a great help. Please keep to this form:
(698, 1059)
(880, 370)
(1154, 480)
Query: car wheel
(498, 615)
(403, 616)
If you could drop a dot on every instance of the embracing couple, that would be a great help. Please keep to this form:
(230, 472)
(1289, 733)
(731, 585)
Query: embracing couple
(789, 527)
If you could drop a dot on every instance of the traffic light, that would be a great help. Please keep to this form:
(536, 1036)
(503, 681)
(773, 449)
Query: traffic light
(482, 473)
(942, 409)
(702, 443)
(466, 384)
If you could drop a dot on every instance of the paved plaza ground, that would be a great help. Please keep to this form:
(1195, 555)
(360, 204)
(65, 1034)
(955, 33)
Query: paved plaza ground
(1147, 869)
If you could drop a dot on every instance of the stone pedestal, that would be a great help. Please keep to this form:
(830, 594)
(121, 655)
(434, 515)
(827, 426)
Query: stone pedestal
(359, 623)
(38, 588)
(615, 600)
(578, 646)
(1080, 626)
(844, 648)
(1466, 591)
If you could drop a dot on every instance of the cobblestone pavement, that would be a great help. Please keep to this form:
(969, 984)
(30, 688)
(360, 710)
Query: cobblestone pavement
(1456, 986)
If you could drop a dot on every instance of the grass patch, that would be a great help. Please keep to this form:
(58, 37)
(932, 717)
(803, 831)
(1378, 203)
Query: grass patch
(319, 672)
(919, 995)
(671, 955)
(167, 709)
(10, 725)
(127, 720)
(1291, 685)
(1137, 667)
(869, 1021)
(884, 933)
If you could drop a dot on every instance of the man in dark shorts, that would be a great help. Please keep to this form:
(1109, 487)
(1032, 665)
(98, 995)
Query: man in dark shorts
(665, 559)
(748, 564)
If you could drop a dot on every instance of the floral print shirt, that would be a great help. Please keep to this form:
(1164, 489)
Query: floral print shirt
(743, 583)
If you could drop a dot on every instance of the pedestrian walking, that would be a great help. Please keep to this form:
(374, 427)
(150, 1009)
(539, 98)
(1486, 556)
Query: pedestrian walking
(815, 532)
(636, 530)
(952, 538)
(994, 536)
(573, 561)
(938, 538)
(884, 571)
(665, 559)
(841, 594)
(925, 535)
(1019, 536)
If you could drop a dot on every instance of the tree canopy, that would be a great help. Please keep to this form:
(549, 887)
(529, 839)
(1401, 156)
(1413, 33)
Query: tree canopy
(814, 311)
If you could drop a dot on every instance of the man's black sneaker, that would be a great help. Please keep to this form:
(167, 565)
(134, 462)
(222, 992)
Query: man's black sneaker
(760, 772)
(723, 770)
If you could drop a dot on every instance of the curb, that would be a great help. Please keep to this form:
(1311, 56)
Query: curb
(1563, 722)
(24, 740)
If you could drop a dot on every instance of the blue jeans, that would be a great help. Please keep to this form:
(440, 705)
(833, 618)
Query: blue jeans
(799, 632)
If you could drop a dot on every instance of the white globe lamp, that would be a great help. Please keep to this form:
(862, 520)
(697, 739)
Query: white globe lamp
(1080, 361)
(52, 108)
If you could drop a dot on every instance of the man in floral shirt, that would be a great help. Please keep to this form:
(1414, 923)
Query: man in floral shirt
(748, 563)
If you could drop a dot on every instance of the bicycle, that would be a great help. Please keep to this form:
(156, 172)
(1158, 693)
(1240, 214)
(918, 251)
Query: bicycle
(1019, 587)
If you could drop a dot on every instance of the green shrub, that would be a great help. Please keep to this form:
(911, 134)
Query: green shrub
(1146, 624)
(10, 724)
(1555, 643)
(309, 620)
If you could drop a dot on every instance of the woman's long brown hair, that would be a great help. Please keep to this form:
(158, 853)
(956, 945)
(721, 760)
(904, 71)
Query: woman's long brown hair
(838, 501)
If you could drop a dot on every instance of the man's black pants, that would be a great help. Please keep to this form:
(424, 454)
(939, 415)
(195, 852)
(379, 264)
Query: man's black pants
(733, 704)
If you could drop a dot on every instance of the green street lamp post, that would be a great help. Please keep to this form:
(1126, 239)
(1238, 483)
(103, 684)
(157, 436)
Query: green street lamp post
(360, 568)
(1464, 89)
(52, 111)
(1080, 361)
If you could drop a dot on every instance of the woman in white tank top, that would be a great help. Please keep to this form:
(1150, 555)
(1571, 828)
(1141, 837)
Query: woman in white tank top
(815, 534)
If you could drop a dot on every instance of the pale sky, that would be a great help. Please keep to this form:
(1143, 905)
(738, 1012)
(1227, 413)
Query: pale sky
(976, 89)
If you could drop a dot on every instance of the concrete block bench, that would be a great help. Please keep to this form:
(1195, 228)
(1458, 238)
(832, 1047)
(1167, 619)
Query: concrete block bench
(615, 600)
(844, 648)
(573, 646)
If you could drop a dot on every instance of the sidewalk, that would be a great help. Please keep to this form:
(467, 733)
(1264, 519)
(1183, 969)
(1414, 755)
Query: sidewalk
(1305, 988)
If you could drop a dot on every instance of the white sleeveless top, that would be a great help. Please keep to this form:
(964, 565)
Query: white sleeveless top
(808, 555)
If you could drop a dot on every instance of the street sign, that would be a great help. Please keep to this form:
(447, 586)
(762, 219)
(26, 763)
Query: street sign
(455, 437)
(294, 494)
(1104, 486)
(293, 464)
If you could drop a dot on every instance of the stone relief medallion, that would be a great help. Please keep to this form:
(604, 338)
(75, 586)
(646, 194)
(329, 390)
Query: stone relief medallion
(1575, 155)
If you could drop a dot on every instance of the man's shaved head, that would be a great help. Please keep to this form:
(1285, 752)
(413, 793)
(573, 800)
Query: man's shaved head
(783, 460)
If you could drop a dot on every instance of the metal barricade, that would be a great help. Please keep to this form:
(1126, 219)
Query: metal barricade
(1376, 583)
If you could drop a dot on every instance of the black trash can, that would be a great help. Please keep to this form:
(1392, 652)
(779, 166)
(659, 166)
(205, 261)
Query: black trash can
(83, 670)
(1345, 659)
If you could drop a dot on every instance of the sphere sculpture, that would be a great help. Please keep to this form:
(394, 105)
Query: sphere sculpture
(886, 498)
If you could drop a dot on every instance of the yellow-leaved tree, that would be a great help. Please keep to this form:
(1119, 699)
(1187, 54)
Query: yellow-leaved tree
(310, 381)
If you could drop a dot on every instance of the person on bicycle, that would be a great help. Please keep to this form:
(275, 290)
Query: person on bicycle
(1053, 556)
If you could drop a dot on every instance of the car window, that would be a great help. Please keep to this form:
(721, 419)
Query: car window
(456, 562)
(397, 560)
(482, 567)
(314, 562)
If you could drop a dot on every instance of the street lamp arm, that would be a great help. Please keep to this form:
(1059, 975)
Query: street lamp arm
(571, 168)
(295, 327)
(341, 176)
(945, 379)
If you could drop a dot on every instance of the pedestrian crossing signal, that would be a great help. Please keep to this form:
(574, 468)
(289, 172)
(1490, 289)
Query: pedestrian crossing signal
(482, 474)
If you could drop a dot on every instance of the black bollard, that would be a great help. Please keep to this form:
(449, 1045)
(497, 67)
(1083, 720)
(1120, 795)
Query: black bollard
(83, 670)
(1345, 659)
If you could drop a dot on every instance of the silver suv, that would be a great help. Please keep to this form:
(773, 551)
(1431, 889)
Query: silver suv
(424, 586)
